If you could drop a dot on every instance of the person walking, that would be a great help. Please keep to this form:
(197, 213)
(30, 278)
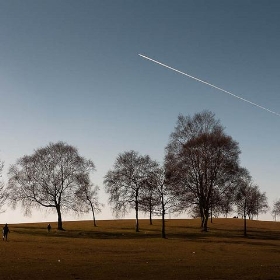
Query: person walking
(5, 232)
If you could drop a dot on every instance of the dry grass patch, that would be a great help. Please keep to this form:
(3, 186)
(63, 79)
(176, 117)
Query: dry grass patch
(114, 251)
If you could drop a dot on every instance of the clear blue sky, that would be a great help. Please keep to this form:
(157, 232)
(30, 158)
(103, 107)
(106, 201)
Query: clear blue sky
(70, 71)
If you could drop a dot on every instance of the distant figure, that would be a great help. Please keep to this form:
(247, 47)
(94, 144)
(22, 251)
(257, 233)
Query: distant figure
(49, 227)
(5, 232)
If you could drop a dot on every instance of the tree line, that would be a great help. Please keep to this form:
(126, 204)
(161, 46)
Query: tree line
(201, 175)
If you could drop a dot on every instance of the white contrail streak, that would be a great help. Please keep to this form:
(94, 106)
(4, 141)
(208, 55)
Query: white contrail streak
(211, 85)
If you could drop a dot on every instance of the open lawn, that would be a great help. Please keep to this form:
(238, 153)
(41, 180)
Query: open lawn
(114, 251)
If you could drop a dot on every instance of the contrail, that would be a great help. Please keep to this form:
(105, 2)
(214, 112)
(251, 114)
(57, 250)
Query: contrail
(211, 85)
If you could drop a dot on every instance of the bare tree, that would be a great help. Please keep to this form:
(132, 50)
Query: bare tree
(249, 200)
(149, 199)
(258, 203)
(48, 178)
(125, 182)
(201, 161)
(164, 196)
(276, 209)
(3, 191)
(87, 200)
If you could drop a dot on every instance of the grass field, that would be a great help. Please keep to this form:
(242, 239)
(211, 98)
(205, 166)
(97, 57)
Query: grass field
(114, 251)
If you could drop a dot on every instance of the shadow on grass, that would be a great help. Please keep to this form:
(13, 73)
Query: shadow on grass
(220, 231)
(191, 234)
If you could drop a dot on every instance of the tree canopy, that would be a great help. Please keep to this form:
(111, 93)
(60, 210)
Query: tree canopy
(201, 161)
(49, 178)
(126, 180)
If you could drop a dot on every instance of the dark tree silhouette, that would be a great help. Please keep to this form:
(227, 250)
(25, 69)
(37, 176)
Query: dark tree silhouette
(276, 209)
(3, 190)
(258, 203)
(149, 200)
(243, 197)
(126, 181)
(48, 178)
(166, 202)
(249, 200)
(87, 200)
(201, 160)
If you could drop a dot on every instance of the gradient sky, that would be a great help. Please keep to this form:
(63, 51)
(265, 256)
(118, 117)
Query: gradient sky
(70, 71)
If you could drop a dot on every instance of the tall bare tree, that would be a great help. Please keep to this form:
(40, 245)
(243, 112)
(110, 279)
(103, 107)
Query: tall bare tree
(258, 203)
(3, 191)
(164, 196)
(276, 209)
(125, 182)
(87, 200)
(249, 199)
(149, 199)
(242, 198)
(201, 160)
(48, 178)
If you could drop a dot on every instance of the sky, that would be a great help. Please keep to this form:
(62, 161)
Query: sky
(70, 71)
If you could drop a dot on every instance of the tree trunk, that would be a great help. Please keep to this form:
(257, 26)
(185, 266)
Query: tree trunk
(211, 214)
(163, 235)
(151, 221)
(136, 221)
(59, 220)
(93, 215)
(136, 212)
(245, 226)
(94, 222)
(201, 216)
(245, 221)
(205, 220)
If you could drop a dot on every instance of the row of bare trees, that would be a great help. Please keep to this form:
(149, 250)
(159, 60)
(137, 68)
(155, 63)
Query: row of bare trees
(201, 174)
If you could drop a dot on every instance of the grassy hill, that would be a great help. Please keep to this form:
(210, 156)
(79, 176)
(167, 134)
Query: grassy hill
(113, 250)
